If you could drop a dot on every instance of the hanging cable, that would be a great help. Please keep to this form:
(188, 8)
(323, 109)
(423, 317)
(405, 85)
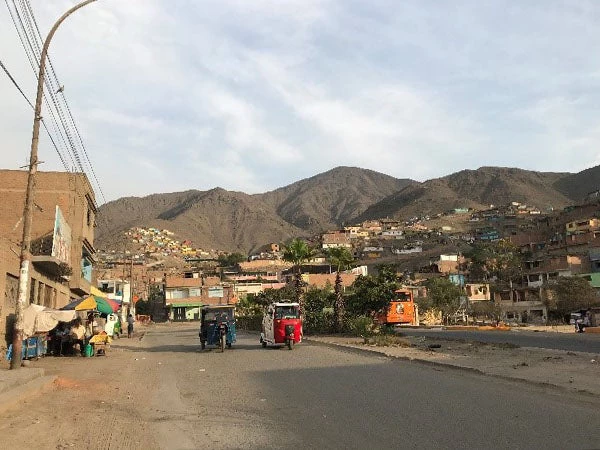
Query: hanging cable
(62, 160)
(33, 25)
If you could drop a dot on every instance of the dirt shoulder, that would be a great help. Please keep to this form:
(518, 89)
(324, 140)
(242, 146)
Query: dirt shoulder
(572, 371)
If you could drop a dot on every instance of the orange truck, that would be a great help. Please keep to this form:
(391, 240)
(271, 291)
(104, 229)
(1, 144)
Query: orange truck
(401, 310)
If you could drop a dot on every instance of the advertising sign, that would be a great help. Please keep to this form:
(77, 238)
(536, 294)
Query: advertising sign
(61, 240)
(216, 291)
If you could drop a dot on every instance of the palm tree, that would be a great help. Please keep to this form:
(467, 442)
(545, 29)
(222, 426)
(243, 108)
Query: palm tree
(341, 258)
(297, 252)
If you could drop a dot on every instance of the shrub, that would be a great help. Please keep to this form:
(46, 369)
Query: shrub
(388, 340)
(364, 327)
(249, 323)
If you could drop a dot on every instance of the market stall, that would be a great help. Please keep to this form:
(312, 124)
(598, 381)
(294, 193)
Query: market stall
(38, 321)
(99, 310)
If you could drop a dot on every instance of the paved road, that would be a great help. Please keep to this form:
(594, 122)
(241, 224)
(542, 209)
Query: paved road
(163, 392)
(578, 342)
(319, 397)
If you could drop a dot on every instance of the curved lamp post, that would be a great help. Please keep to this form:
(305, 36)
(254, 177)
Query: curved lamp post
(29, 196)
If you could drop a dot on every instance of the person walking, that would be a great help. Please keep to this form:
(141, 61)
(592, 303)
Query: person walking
(130, 321)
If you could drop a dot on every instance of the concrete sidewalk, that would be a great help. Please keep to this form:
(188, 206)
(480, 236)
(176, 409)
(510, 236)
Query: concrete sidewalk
(576, 372)
(22, 384)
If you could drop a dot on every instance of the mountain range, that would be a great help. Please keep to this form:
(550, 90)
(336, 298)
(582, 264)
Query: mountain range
(235, 221)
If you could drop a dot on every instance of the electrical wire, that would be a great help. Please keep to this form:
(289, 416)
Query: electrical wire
(89, 162)
(27, 29)
(33, 65)
(62, 160)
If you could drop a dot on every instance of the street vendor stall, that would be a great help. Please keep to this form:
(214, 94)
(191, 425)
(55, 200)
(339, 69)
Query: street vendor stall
(100, 343)
(100, 310)
(37, 322)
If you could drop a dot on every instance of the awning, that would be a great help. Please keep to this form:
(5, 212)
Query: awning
(38, 319)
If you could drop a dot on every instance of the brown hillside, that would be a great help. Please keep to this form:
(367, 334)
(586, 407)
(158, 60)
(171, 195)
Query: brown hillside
(215, 219)
(472, 188)
(332, 198)
(578, 185)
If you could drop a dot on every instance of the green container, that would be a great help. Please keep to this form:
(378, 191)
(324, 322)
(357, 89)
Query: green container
(89, 350)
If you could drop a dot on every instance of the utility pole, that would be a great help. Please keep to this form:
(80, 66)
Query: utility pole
(25, 257)
(131, 304)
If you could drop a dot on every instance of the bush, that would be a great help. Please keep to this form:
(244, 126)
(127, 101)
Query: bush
(388, 340)
(249, 323)
(364, 327)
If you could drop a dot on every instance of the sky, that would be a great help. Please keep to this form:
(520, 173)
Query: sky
(252, 95)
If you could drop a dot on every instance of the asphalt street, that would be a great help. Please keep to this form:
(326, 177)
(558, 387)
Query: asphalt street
(316, 396)
(577, 342)
(163, 392)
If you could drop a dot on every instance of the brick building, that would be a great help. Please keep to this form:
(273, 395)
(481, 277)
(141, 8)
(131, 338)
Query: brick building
(62, 237)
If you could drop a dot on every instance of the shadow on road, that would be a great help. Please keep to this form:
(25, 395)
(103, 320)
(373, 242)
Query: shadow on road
(195, 348)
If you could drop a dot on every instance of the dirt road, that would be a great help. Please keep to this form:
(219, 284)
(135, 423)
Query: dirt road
(162, 392)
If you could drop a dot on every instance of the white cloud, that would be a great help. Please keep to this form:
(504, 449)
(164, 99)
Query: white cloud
(254, 95)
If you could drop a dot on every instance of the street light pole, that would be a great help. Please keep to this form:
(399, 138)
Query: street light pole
(17, 341)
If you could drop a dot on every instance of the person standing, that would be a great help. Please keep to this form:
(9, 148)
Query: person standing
(130, 321)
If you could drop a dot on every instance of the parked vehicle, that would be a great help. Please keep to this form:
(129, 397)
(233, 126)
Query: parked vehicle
(217, 326)
(401, 310)
(281, 325)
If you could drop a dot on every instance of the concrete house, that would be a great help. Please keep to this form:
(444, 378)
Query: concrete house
(62, 234)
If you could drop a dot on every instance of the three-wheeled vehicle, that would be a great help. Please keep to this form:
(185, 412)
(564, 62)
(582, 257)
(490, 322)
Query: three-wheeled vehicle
(217, 326)
(281, 325)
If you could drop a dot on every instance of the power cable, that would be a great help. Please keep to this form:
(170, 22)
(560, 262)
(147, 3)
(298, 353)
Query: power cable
(68, 130)
(29, 9)
(32, 107)
(33, 64)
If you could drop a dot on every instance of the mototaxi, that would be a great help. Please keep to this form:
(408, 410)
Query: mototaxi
(217, 326)
(281, 325)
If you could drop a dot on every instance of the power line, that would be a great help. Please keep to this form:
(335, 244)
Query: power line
(32, 107)
(91, 166)
(30, 58)
(27, 29)
(15, 83)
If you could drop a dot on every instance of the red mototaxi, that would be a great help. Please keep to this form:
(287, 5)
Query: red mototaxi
(282, 324)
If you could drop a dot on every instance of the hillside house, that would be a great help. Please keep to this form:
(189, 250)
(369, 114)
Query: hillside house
(582, 226)
(336, 240)
(392, 234)
(542, 270)
(448, 264)
(521, 304)
(321, 280)
(477, 292)
(372, 226)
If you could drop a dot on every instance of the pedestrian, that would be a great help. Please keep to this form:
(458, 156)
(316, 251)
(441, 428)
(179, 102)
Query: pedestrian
(579, 324)
(78, 335)
(130, 321)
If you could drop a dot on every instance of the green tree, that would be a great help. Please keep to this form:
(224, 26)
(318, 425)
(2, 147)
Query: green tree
(231, 259)
(269, 296)
(371, 294)
(570, 294)
(318, 309)
(297, 252)
(487, 310)
(341, 258)
(143, 307)
(501, 259)
(443, 295)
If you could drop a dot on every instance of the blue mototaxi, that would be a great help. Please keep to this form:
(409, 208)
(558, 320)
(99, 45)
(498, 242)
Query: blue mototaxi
(217, 326)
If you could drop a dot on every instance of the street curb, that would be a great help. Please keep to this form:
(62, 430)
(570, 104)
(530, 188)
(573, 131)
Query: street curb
(14, 397)
(453, 367)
